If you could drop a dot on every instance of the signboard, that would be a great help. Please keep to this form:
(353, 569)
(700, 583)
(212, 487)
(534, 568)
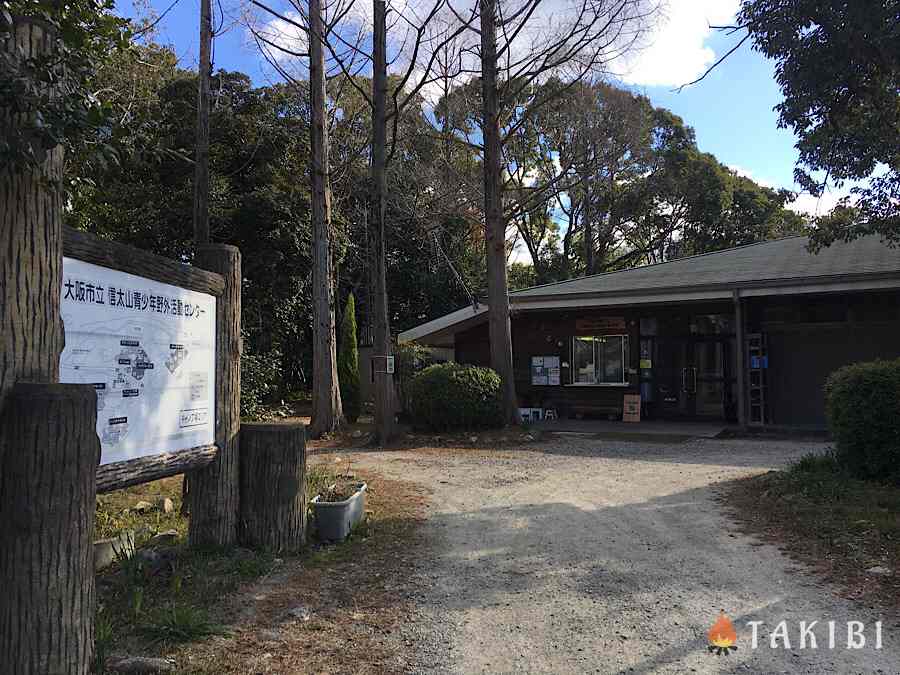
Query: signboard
(149, 350)
(631, 408)
(545, 370)
(607, 325)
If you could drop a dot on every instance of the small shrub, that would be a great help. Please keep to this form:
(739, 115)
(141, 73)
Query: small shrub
(348, 363)
(451, 396)
(409, 359)
(260, 381)
(812, 463)
(862, 402)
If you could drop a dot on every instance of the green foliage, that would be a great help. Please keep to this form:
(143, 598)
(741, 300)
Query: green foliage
(81, 35)
(348, 363)
(180, 623)
(260, 380)
(409, 359)
(450, 396)
(104, 634)
(838, 65)
(862, 402)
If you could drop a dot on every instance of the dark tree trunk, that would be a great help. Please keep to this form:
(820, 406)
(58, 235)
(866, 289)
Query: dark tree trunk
(588, 229)
(49, 452)
(31, 330)
(201, 154)
(327, 411)
(273, 487)
(213, 491)
(495, 220)
(384, 382)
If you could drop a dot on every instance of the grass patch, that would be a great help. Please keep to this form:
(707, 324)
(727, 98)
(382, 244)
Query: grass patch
(170, 605)
(180, 623)
(116, 512)
(847, 529)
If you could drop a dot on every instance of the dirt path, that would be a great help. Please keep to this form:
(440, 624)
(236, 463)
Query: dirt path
(580, 555)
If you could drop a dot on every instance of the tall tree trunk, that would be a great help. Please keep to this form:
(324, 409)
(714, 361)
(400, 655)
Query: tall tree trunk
(201, 154)
(327, 412)
(588, 232)
(384, 382)
(31, 329)
(495, 219)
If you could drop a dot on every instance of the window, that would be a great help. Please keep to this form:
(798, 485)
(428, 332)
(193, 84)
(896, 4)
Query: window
(600, 359)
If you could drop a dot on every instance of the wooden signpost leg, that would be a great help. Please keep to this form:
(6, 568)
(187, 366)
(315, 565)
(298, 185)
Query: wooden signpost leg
(214, 491)
(49, 452)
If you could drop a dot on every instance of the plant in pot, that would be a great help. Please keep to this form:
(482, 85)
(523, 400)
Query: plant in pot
(339, 506)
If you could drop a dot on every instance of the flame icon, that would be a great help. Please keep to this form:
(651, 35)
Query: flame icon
(722, 636)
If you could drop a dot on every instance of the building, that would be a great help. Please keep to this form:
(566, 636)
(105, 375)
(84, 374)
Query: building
(746, 335)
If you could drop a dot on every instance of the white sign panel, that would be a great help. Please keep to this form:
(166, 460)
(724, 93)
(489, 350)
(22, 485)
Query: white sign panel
(149, 350)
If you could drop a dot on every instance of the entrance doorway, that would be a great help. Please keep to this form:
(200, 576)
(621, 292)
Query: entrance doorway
(693, 377)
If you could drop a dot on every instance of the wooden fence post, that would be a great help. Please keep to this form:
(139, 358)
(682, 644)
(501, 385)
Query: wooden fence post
(273, 487)
(213, 491)
(31, 250)
(49, 452)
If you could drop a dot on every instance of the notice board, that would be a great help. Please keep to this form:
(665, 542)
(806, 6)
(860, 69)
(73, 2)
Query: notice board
(149, 350)
(545, 370)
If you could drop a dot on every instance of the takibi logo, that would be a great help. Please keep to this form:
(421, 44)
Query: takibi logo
(722, 636)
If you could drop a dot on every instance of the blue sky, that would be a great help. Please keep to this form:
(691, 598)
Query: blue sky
(731, 110)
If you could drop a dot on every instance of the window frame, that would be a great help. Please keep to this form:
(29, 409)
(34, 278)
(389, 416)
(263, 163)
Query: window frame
(594, 341)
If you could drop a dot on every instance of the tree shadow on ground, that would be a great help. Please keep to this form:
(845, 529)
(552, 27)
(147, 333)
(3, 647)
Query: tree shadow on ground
(625, 588)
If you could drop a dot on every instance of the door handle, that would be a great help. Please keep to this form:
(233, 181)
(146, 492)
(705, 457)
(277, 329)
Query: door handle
(684, 379)
(694, 380)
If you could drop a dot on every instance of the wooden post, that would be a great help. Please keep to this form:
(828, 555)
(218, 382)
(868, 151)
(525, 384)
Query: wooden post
(213, 491)
(740, 358)
(273, 487)
(49, 452)
(31, 330)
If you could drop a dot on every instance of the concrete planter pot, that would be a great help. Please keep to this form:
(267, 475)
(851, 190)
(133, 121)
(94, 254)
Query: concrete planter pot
(107, 551)
(335, 520)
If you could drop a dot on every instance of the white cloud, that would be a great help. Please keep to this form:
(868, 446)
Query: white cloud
(675, 51)
(806, 204)
(746, 173)
(281, 36)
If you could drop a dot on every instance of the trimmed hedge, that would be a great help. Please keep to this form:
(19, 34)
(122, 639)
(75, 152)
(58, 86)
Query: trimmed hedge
(862, 402)
(450, 396)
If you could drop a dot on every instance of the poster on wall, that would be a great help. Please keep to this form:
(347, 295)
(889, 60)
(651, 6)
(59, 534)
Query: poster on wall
(148, 348)
(544, 370)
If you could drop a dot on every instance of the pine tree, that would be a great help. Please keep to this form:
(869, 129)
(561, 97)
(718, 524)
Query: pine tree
(348, 363)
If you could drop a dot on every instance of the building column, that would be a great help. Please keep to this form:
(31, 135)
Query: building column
(741, 358)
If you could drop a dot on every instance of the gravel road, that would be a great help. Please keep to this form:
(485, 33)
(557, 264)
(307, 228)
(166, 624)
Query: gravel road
(581, 555)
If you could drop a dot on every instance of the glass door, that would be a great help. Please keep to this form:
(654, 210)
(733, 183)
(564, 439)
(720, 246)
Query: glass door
(692, 377)
(670, 371)
(707, 378)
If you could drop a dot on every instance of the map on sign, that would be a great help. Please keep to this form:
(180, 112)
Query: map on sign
(149, 350)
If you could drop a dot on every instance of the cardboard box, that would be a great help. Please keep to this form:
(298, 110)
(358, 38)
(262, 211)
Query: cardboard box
(631, 408)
